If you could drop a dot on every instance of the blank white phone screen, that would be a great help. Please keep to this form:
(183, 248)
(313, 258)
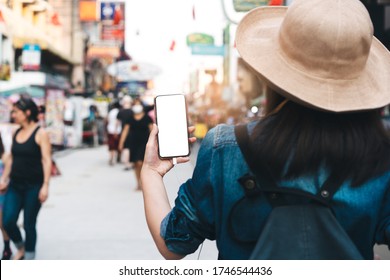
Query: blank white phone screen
(171, 119)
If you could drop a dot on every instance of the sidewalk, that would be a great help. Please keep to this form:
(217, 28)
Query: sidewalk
(94, 212)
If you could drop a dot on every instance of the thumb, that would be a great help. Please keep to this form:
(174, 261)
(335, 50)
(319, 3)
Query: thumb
(153, 133)
(154, 129)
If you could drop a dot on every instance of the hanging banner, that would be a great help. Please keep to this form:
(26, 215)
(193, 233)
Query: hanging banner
(112, 17)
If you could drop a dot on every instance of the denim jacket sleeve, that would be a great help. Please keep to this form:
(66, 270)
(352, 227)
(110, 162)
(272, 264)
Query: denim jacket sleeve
(191, 220)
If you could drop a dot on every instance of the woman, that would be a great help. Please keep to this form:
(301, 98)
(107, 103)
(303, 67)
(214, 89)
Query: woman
(327, 79)
(26, 177)
(124, 116)
(139, 127)
(7, 249)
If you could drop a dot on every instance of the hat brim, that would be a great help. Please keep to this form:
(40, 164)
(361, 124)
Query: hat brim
(257, 43)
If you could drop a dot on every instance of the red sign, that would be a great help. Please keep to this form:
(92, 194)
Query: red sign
(112, 33)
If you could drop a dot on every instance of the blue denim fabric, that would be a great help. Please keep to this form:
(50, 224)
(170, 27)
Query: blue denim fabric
(204, 202)
(16, 199)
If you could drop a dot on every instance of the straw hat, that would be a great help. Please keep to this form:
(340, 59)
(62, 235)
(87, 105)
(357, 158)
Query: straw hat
(318, 53)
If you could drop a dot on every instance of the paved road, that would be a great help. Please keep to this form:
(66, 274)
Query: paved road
(94, 212)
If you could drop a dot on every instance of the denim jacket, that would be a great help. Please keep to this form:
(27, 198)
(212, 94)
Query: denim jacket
(203, 206)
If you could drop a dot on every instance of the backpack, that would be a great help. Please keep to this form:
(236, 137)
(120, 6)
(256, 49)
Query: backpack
(301, 225)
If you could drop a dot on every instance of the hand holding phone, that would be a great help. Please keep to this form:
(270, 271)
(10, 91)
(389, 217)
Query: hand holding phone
(171, 119)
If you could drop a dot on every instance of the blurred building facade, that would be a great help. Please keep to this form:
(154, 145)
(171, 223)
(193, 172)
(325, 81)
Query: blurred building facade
(42, 36)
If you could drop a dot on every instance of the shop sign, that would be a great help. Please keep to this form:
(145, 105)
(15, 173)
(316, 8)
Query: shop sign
(112, 17)
(31, 57)
(87, 11)
(207, 50)
(199, 38)
(112, 33)
(246, 5)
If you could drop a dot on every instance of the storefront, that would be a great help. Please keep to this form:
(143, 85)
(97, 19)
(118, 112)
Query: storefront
(45, 92)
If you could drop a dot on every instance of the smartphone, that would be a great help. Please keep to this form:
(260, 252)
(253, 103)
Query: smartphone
(172, 122)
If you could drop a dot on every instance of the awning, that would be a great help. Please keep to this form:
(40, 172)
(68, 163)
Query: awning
(34, 92)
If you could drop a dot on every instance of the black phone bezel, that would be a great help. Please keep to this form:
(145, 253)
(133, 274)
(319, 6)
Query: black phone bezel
(188, 135)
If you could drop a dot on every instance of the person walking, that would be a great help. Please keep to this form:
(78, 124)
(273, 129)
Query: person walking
(113, 130)
(138, 128)
(26, 177)
(124, 116)
(7, 252)
(327, 78)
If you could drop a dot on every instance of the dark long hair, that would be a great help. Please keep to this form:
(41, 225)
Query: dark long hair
(25, 104)
(352, 146)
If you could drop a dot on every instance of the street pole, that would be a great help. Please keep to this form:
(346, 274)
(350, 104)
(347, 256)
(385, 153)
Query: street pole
(1, 50)
(230, 20)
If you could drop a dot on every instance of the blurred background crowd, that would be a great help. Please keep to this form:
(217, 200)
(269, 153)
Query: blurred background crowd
(78, 58)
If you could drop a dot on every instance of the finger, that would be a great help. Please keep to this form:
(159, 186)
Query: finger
(183, 159)
(191, 129)
(192, 139)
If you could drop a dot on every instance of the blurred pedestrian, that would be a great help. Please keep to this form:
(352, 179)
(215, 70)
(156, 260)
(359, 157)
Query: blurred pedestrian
(124, 116)
(138, 128)
(327, 78)
(26, 177)
(7, 253)
(113, 130)
(41, 115)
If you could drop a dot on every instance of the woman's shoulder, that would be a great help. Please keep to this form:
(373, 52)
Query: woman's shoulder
(41, 134)
(223, 134)
(219, 135)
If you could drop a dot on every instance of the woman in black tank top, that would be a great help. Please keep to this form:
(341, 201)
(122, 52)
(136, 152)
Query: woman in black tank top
(26, 177)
